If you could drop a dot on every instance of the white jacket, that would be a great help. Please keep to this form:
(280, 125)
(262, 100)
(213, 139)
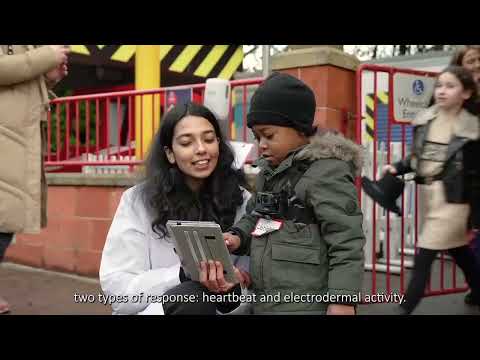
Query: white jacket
(136, 260)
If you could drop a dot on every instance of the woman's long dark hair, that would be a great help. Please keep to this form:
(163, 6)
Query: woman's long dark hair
(165, 193)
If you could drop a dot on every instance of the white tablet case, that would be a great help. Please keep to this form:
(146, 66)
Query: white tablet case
(197, 241)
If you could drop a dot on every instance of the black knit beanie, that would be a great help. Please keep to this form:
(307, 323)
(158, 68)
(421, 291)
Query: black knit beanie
(283, 100)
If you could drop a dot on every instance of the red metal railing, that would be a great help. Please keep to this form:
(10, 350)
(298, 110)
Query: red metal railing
(99, 129)
(386, 269)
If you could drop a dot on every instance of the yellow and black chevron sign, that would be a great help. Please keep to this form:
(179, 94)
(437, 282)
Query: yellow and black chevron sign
(382, 98)
(204, 61)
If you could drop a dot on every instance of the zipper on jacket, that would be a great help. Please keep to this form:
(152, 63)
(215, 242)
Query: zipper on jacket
(262, 260)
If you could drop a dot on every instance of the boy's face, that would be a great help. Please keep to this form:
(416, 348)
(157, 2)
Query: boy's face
(275, 142)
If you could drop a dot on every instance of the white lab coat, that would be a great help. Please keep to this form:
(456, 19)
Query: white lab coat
(136, 260)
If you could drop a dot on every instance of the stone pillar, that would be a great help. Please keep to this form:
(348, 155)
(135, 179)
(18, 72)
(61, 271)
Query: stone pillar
(331, 74)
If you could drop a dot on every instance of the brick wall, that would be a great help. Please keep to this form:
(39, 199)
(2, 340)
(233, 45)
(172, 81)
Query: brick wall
(80, 211)
(79, 217)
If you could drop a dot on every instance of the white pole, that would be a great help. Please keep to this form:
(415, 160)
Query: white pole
(266, 60)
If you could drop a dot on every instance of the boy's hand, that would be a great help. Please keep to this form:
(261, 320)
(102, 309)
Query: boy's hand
(232, 241)
(339, 309)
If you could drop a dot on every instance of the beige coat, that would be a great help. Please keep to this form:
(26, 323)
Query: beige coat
(444, 224)
(23, 104)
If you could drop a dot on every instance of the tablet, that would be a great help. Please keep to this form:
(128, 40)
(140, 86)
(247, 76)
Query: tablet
(197, 241)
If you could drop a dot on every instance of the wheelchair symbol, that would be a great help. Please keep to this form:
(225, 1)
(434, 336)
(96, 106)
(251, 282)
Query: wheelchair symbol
(418, 87)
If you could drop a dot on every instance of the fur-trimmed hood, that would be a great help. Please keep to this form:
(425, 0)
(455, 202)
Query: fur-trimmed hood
(467, 125)
(332, 145)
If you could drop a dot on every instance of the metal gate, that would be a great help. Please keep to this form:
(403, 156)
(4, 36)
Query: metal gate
(391, 239)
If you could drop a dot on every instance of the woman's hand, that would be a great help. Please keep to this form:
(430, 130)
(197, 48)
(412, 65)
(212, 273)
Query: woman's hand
(247, 280)
(211, 276)
(61, 52)
(57, 74)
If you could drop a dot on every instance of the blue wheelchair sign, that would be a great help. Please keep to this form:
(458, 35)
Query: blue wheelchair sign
(418, 87)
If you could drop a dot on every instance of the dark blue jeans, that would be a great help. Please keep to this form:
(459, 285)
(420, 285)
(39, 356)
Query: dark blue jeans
(5, 240)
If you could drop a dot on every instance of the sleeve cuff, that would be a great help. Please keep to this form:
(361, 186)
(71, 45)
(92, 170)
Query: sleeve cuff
(242, 249)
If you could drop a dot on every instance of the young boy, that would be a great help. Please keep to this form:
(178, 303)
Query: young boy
(303, 228)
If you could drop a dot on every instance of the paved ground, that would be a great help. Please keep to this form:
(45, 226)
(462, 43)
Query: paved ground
(39, 292)
(33, 291)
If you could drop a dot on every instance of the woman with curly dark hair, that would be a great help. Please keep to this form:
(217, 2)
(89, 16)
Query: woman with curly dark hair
(190, 175)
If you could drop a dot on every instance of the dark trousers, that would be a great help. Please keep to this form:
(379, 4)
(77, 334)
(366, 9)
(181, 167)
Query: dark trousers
(464, 258)
(476, 245)
(199, 307)
(5, 240)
